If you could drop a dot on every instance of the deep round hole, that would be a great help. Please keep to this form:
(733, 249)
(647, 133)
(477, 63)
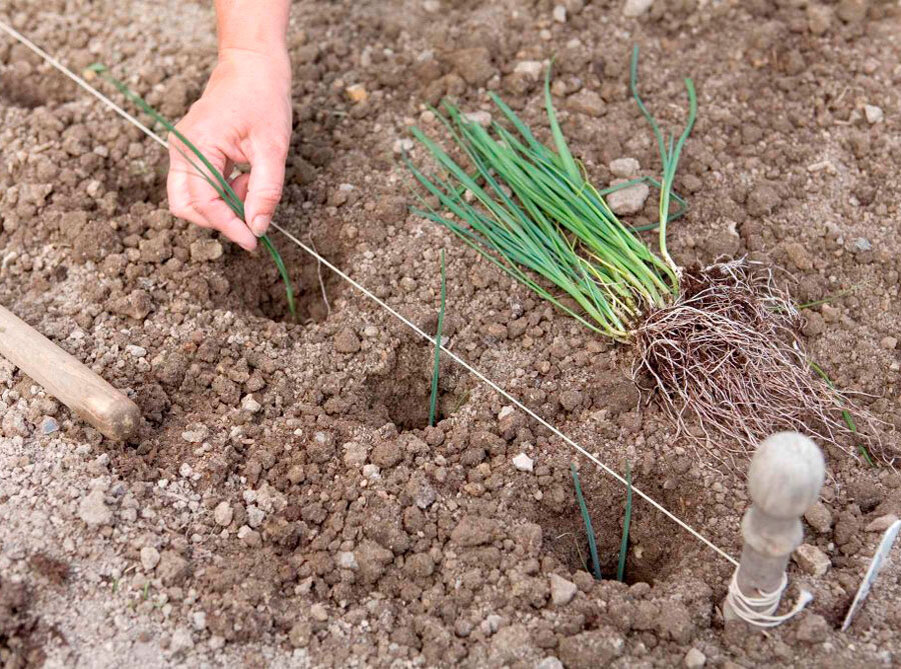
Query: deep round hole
(258, 287)
(402, 395)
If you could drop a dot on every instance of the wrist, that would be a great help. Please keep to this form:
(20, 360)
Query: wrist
(273, 57)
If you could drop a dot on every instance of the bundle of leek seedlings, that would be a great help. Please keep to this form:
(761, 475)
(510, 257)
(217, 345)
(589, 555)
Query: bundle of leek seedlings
(718, 344)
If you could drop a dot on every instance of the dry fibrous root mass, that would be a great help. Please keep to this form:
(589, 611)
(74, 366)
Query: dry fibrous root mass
(728, 365)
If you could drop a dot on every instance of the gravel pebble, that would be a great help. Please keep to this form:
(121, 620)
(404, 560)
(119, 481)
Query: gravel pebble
(223, 514)
(523, 462)
(629, 200)
(49, 425)
(529, 68)
(873, 114)
(250, 537)
(562, 591)
(694, 659)
(624, 168)
(634, 8)
(93, 509)
(812, 560)
(150, 558)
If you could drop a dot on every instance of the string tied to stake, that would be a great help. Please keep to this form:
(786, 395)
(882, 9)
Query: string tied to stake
(759, 611)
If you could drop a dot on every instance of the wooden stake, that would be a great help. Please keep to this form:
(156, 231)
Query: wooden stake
(784, 479)
(67, 379)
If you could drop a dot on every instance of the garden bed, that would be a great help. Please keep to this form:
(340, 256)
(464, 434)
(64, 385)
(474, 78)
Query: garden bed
(287, 501)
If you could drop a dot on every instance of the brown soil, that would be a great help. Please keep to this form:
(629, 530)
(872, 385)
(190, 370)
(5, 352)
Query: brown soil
(321, 521)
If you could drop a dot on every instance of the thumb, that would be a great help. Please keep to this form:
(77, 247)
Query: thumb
(264, 189)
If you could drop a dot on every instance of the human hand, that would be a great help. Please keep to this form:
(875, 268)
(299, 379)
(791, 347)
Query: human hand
(243, 116)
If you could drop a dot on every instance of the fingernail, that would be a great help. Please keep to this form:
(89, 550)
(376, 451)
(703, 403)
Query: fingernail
(259, 225)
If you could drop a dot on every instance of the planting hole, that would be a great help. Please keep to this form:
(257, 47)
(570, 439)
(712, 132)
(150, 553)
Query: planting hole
(402, 394)
(256, 283)
(653, 552)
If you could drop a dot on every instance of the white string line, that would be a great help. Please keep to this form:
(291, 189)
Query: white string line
(760, 611)
(453, 356)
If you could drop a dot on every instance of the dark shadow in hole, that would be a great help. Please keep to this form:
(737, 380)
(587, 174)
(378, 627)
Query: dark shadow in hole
(258, 288)
(402, 395)
(656, 548)
(20, 93)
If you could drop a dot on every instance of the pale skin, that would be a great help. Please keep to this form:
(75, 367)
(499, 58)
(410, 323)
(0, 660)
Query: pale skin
(243, 116)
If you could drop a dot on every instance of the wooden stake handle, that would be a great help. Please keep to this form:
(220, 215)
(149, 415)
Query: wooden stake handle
(67, 379)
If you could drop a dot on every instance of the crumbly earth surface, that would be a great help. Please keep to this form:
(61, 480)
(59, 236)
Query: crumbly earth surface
(286, 503)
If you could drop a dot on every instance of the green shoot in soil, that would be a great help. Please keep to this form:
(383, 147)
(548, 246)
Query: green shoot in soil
(846, 415)
(433, 400)
(589, 530)
(627, 520)
(206, 169)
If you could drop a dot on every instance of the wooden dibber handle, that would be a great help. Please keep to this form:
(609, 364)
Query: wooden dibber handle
(67, 379)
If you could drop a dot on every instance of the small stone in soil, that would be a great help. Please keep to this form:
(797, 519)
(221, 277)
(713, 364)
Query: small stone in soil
(559, 14)
(873, 114)
(819, 517)
(93, 509)
(523, 462)
(223, 514)
(181, 640)
(549, 662)
(357, 93)
(347, 560)
(529, 68)
(635, 8)
(562, 591)
(812, 560)
(195, 433)
(150, 558)
(694, 659)
(624, 168)
(206, 250)
(49, 425)
(628, 200)
(586, 102)
(318, 612)
(250, 537)
(862, 244)
(250, 404)
(483, 118)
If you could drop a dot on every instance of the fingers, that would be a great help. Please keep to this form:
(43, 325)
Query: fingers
(191, 197)
(267, 177)
(239, 184)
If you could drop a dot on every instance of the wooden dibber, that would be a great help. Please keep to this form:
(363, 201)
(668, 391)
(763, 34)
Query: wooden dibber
(784, 480)
(67, 379)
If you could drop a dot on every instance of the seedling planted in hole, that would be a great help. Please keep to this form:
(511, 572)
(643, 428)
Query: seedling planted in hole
(433, 400)
(718, 344)
(589, 530)
(205, 169)
(627, 521)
